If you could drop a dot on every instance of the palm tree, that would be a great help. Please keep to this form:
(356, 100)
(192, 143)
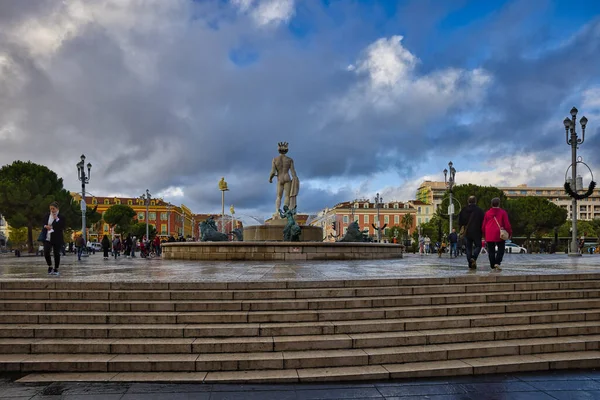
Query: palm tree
(407, 221)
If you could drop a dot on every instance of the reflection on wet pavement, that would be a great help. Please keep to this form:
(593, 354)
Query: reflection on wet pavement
(95, 268)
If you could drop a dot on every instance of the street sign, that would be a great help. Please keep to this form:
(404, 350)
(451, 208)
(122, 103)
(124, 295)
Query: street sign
(451, 209)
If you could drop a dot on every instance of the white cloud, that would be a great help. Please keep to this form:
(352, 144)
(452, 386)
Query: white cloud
(170, 192)
(267, 12)
(388, 81)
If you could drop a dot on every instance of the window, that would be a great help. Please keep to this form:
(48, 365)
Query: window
(141, 216)
(117, 201)
(386, 219)
(419, 210)
(94, 201)
(163, 216)
(419, 219)
(406, 205)
(396, 205)
(130, 202)
(106, 201)
(385, 205)
(151, 202)
(106, 227)
(396, 219)
(345, 220)
(152, 216)
(366, 205)
(386, 231)
(426, 219)
(355, 205)
(366, 219)
(524, 192)
(163, 229)
(426, 210)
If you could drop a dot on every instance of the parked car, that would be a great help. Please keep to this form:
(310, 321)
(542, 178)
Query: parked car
(510, 247)
(96, 246)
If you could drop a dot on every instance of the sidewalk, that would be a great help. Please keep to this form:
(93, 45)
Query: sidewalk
(557, 385)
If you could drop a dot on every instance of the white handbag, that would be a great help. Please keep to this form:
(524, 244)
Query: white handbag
(503, 232)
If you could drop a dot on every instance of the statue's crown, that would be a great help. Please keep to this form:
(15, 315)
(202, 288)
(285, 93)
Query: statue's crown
(283, 145)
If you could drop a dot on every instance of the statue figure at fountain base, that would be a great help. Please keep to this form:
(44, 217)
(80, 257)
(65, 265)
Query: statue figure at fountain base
(288, 186)
(354, 234)
(292, 231)
(210, 233)
(238, 233)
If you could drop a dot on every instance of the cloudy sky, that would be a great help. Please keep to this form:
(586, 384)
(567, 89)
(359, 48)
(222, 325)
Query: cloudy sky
(373, 96)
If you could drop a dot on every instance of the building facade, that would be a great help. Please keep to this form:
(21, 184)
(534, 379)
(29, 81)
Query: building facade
(432, 193)
(365, 213)
(168, 219)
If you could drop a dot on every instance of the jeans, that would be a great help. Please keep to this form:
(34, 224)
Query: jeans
(473, 248)
(56, 248)
(495, 256)
(79, 252)
(453, 249)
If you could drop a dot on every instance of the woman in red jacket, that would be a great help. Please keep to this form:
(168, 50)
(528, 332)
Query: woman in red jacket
(495, 219)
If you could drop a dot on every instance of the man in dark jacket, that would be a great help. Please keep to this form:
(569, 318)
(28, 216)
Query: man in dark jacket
(54, 226)
(470, 220)
(453, 239)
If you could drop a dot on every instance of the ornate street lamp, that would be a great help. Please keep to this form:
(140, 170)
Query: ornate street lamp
(223, 188)
(574, 141)
(449, 181)
(85, 179)
(146, 197)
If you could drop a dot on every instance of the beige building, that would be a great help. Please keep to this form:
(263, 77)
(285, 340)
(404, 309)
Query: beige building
(432, 193)
(588, 209)
(365, 213)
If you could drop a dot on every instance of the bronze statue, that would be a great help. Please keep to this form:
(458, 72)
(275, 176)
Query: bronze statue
(292, 231)
(288, 186)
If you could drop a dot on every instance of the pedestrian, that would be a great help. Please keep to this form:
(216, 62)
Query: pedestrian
(52, 233)
(157, 248)
(79, 243)
(128, 244)
(427, 245)
(453, 239)
(133, 246)
(105, 246)
(116, 247)
(470, 220)
(494, 228)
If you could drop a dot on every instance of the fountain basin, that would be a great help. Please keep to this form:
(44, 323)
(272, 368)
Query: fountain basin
(274, 233)
(284, 251)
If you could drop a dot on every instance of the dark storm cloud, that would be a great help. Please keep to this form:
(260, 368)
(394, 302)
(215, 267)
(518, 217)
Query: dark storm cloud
(163, 106)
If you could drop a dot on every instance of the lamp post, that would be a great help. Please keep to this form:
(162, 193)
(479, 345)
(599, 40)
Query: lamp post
(223, 188)
(449, 180)
(146, 197)
(378, 201)
(168, 220)
(573, 141)
(84, 180)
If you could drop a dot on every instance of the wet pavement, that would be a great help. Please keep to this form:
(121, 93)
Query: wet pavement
(95, 268)
(557, 385)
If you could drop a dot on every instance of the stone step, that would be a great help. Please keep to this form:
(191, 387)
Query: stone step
(144, 338)
(273, 294)
(28, 319)
(259, 308)
(352, 365)
(155, 303)
(235, 346)
(278, 316)
(467, 366)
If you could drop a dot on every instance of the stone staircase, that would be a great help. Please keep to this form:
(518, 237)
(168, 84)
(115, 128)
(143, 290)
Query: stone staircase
(290, 331)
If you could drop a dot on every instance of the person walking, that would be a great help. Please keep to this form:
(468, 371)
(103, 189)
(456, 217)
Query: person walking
(453, 239)
(133, 246)
(105, 246)
(116, 247)
(427, 245)
(79, 243)
(128, 243)
(470, 220)
(494, 228)
(54, 226)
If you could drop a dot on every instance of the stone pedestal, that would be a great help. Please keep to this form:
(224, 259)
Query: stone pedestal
(274, 233)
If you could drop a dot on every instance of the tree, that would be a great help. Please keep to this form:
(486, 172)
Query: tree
(534, 216)
(26, 190)
(406, 222)
(17, 237)
(393, 231)
(139, 230)
(120, 217)
(484, 195)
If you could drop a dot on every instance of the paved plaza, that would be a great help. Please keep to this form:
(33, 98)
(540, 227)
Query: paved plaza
(555, 385)
(95, 268)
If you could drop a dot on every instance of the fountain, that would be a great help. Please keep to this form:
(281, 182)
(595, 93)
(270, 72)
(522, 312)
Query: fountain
(279, 238)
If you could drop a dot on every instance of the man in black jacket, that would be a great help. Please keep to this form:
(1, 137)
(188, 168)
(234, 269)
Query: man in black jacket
(470, 220)
(54, 226)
